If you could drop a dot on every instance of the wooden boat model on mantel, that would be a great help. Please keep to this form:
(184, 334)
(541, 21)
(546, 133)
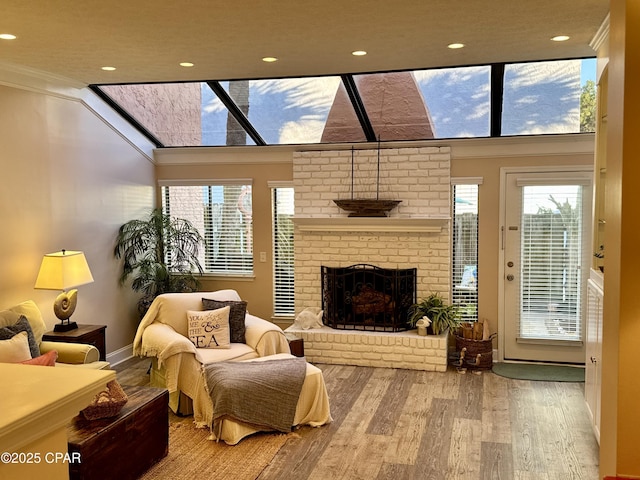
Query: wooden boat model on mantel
(367, 207)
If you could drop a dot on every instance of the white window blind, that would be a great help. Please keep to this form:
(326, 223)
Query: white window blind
(464, 271)
(222, 212)
(551, 258)
(283, 251)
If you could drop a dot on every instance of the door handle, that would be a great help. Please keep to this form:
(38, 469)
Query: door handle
(510, 277)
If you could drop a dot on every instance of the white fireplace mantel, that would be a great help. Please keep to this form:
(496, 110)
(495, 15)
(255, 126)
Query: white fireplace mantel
(431, 224)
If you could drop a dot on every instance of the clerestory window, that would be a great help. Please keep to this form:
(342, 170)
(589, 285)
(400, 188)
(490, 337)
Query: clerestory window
(546, 97)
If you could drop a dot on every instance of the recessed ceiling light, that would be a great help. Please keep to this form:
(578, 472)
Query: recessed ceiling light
(186, 64)
(358, 53)
(269, 59)
(560, 38)
(108, 69)
(7, 36)
(454, 46)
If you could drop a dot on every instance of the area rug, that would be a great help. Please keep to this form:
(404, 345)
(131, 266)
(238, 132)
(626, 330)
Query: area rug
(547, 373)
(191, 455)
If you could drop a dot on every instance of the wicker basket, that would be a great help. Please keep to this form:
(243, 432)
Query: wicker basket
(107, 403)
(484, 348)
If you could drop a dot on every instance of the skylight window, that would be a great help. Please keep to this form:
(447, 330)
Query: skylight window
(290, 110)
(458, 99)
(546, 97)
(536, 98)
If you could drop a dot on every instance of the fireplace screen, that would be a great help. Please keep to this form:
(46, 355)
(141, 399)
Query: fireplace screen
(366, 297)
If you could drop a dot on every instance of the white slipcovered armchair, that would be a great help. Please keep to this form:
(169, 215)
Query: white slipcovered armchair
(177, 363)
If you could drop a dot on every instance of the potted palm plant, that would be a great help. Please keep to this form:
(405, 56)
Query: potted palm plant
(160, 254)
(442, 315)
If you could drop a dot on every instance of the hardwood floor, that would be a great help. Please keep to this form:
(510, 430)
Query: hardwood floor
(406, 424)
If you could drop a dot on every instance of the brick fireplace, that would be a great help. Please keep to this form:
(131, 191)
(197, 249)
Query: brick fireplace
(414, 235)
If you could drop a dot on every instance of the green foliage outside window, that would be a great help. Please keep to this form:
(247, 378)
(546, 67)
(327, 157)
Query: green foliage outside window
(588, 107)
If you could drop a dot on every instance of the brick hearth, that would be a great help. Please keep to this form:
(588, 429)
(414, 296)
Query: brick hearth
(374, 349)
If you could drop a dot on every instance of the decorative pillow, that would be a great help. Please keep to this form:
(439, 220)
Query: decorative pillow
(45, 360)
(16, 349)
(22, 325)
(236, 316)
(209, 328)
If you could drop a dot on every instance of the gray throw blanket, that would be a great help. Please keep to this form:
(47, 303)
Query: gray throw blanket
(263, 394)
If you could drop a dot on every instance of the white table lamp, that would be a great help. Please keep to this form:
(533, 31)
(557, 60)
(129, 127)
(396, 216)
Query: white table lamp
(62, 271)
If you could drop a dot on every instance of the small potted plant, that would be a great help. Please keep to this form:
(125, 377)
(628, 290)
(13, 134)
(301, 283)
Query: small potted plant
(442, 315)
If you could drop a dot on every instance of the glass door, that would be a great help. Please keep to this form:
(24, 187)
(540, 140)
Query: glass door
(546, 263)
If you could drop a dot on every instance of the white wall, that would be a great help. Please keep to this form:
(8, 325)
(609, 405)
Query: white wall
(68, 180)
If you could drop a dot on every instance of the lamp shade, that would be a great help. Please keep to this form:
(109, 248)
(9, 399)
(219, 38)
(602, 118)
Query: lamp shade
(63, 270)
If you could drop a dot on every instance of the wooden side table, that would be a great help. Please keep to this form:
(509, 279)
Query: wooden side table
(296, 344)
(89, 334)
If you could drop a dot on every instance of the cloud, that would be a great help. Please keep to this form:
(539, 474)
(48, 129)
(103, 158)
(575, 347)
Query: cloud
(305, 130)
(214, 106)
(316, 94)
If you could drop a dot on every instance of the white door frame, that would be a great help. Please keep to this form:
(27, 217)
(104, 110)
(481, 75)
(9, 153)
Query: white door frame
(504, 171)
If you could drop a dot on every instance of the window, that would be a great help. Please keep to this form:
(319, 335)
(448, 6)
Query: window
(438, 103)
(458, 100)
(289, 110)
(549, 97)
(283, 266)
(222, 212)
(464, 271)
(552, 259)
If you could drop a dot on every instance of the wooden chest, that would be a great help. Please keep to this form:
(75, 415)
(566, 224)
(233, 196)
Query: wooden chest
(296, 344)
(125, 446)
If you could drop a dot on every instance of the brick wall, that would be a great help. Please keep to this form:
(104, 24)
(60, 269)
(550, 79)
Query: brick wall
(374, 349)
(420, 177)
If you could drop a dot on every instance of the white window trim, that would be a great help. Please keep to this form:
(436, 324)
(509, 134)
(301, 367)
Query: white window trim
(275, 184)
(200, 182)
(467, 180)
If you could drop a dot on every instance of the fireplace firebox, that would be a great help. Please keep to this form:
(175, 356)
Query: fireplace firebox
(366, 297)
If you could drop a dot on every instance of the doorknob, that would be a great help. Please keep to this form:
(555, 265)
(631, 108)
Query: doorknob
(510, 277)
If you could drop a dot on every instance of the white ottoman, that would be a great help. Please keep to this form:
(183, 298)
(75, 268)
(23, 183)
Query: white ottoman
(312, 408)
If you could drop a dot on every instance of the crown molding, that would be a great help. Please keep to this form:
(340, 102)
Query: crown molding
(601, 35)
(523, 146)
(26, 78)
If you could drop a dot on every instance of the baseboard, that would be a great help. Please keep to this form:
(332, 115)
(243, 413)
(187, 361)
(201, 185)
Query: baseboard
(120, 355)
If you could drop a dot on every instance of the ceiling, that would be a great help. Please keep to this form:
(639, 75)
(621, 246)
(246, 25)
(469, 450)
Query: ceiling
(146, 40)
